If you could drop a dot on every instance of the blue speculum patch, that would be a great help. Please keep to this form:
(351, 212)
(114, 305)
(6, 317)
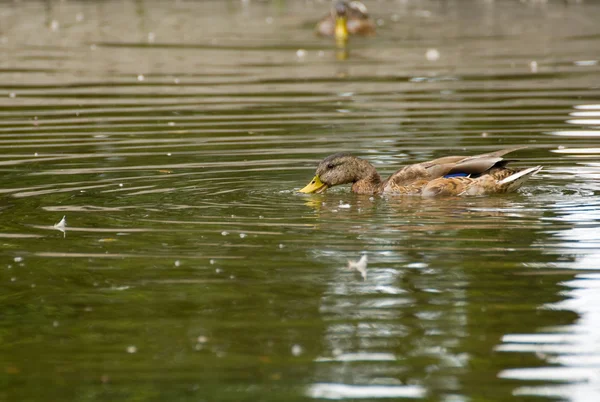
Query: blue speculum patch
(456, 175)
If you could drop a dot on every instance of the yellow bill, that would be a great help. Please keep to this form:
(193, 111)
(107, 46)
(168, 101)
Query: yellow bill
(341, 30)
(315, 186)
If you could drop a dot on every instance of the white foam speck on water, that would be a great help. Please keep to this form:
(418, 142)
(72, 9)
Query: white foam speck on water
(344, 206)
(141, 77)
(533, 66)
(432, 54)
(297, 350)
(18, 259)
(224, 233)
(131, 349)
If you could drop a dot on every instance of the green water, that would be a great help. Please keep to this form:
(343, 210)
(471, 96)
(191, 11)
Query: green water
(173, 136)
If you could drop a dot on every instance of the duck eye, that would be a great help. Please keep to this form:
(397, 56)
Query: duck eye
(330, 166)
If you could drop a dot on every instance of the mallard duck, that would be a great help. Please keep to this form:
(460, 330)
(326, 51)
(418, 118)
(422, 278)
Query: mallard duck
(448, 176)
(346, 18)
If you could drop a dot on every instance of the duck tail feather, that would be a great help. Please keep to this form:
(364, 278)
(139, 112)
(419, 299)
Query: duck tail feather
(515, 181)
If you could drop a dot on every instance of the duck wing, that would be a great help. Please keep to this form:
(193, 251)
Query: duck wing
(471, 165)
(448, 165)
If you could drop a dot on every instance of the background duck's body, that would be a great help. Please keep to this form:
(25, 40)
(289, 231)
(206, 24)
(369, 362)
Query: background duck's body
(451, 175)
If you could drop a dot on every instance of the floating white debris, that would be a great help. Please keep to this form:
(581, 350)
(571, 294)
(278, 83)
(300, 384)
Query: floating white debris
(176, 81)
(281, 245)
(54, 25)
(297, 350)
(141, 77)
(177, 263)
(360, 265)
(224, 233)
(212, 261)
(344, 206)
(120, 184)
(300, 53)
(171, 123)
(242, 235)
(202, 339)
(12, 95)
(533, 66)
(62, 225)
(432, 54)
(371, 392)
(169, 154)
(18, 259)
(586, 62)
(131, 349)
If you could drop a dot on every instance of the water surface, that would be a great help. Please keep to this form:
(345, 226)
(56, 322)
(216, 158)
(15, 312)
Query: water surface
(173, 136)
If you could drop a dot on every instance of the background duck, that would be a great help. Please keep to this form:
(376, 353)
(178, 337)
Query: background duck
(450, 175)
(346, 18)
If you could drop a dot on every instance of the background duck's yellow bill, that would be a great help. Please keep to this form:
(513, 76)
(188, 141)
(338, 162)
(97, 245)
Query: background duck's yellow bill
(341, 30)
(314, 186)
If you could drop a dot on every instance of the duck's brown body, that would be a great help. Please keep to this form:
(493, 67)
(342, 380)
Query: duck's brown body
(450, 175)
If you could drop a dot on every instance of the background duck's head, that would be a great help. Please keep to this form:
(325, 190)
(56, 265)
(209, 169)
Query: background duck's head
(334, 170)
